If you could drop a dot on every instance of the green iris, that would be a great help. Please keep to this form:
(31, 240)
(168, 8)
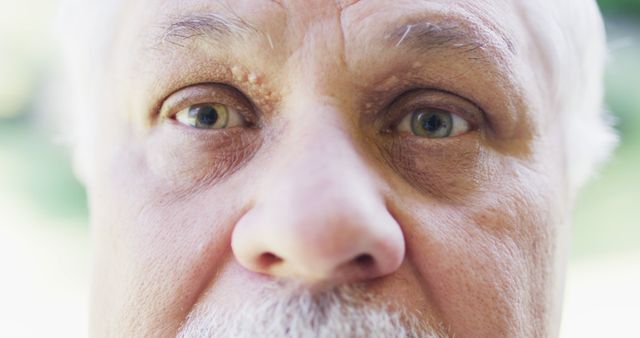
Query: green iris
(432, 123)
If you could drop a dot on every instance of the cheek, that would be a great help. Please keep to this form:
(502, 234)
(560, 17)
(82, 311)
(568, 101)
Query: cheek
(156, 250)
(487, 259)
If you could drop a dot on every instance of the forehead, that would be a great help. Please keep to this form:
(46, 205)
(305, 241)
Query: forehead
(285, 25)
(292, 19)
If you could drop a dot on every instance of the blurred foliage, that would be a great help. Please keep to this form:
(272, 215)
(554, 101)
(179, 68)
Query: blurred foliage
(39, 170)
(605, 217)
(622, 83)
(620, 7)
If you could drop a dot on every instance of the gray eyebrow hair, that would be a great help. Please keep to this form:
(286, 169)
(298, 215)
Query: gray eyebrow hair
(214, 26)
(426, 36)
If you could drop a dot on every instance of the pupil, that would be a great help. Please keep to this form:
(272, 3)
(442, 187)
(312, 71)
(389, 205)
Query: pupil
(207, 115)
(432, 123)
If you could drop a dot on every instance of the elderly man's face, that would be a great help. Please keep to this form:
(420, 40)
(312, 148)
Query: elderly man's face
(341, 168)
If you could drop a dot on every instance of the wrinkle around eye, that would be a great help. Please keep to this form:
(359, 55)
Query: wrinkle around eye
(195, 159)
(444, 169)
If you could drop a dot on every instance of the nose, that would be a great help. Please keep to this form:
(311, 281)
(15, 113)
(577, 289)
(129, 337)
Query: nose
(320, 217)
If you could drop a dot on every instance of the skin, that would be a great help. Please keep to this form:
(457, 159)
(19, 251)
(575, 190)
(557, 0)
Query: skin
(321, 186)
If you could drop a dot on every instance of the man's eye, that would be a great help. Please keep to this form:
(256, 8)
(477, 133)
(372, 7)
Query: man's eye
(433, 123)
(210, 116)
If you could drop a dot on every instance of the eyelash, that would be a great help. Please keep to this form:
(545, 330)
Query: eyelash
(400, 106)
(224, 94)
(418, 98)
(417, 106)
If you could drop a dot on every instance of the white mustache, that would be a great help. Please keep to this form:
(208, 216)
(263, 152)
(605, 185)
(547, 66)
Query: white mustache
(285, 311)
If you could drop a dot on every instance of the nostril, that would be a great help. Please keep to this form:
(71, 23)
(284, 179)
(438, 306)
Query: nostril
(267, 260)
(365, 261)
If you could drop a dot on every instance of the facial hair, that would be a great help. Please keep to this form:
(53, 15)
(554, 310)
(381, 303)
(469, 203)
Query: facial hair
(284, 312)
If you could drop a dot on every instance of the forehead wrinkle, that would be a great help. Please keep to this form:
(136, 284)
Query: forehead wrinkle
(344, 4)
(278, 2)
(212, 26)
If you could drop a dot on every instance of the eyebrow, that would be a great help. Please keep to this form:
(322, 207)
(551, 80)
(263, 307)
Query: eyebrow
(214, 26)
(447, 36)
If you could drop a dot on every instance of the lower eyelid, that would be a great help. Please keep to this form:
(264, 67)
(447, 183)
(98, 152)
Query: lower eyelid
(196, 158)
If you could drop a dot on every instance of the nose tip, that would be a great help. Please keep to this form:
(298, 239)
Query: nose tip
(313, 249)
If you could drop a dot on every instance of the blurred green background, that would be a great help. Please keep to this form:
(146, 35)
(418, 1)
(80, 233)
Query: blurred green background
(43, 213)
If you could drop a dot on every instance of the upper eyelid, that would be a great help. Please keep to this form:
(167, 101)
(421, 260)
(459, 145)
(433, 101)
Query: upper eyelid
(410, 100)
(471, 120)
(202, 93)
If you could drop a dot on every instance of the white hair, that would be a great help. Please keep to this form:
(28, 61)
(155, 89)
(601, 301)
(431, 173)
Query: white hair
(281, 311)
(575, 31)
(577, 58)
(85, 31)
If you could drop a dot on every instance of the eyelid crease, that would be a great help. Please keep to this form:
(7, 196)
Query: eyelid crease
(206, 93)
(469, 118)
(415, 99)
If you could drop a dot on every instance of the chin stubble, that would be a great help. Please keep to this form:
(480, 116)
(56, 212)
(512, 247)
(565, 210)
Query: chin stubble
(281, 311)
